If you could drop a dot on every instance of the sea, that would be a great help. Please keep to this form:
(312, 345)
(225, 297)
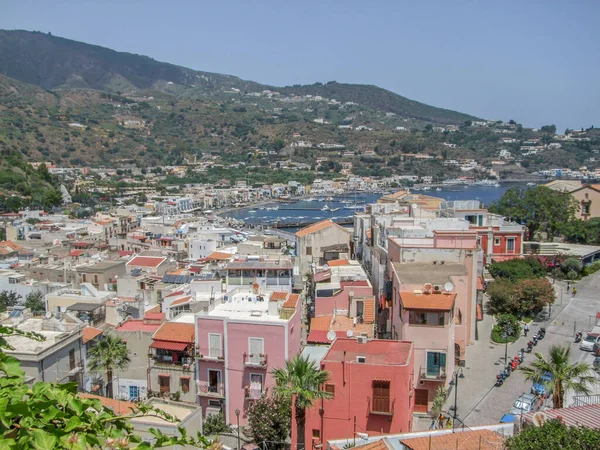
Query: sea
(341, 207)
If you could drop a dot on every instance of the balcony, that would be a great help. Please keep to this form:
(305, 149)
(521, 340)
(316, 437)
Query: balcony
(203, 354)
(205, 389)
(433, 373)
(185, 362)
(253, 393)
(256, 361)
(381, 407)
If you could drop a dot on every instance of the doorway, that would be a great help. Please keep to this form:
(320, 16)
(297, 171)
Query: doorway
(421, 400)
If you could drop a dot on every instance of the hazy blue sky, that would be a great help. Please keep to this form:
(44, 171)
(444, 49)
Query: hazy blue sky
(533, 61)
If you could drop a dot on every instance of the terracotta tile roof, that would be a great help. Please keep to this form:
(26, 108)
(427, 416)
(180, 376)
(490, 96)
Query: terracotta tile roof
(317, 227)
(341, 323)
(292, 301)
(369, 310)
(10, 247)
(174, 294)
(466, 440)
(574, 416)
(322, 276)
(175, 332)
(377, 445)
(429, 302)
(479, 284)
(219, 256)
(276, 296)
(159, 316)
(338, 262)
(90, 333)
(181, 301)
(123, 253)
(119, 407)
(138, 325)
(154, 309)
(320, 336)
(76, 253)
(146, 261)
(104, 222)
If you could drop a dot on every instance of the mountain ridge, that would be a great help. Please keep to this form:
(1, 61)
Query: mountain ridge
(54, 62)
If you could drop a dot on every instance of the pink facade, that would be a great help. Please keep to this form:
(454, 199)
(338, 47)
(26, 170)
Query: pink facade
(341, 301)
(239, 353)
(440, 325)
(372, 388)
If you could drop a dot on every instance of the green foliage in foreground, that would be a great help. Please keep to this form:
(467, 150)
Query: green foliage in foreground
(554, 435)
(49, 416)
(270, 420)
(509, 324)
(518, 269)
(521, 298)
(215, 424)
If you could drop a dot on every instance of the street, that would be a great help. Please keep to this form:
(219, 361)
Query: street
(479, 401)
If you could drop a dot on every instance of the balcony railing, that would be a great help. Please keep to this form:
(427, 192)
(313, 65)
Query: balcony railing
(253, 393)
(204, 354)
(186, 362)
(434, 373)
(259, 360)
(210, 390)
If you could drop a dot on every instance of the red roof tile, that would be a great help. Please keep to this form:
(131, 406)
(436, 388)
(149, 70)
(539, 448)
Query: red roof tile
(320, 336)
(479, 284)
(338, 262)
(219, 256)
(123, 253)
(160, 316)
(181, 301)
(138, 325)
(76, 253)
(292, 301)
(276, 296)
(369, 311)
(465, 440)
(322, 276)
(90, 333)
(176, 332)
(167, 345)
(429, 302)
(146, 261)
(119, 407)
(318, 227)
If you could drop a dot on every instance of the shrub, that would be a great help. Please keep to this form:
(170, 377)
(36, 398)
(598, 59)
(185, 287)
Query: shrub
(215, 424)
(572, 275)
(518, 269)
(504, 323)
(592, 268)
(571, 265)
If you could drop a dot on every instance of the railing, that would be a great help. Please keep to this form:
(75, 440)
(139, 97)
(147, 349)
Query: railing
(251, 360)
(435, 373)
(186, 362)
(210, 390)
(204, 353)
(251, 393)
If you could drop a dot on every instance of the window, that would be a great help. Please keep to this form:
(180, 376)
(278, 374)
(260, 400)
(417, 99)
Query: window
(585, 208)
(436, 364)
(164, 381)
(185, 384)
(330, 388)
(214, 345)
(308, 251)
(381, 396)
(510, 245)
(255, 350)
(316, 434)
(84, 278)
(256, 386)
(214, 381)
(432, 319)
(496, 241)
(95, 279)
(71, 359)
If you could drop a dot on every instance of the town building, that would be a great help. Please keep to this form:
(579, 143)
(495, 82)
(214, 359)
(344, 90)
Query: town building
(371, 384)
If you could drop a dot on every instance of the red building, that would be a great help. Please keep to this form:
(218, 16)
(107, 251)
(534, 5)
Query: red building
(372, 386)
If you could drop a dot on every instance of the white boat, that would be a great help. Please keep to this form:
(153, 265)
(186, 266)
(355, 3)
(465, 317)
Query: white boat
(487, 183)
(325, 208)
(454, 182)
(252, 211)
(426, 188)
(334, 209)
(416, 189)
(438, 189)
(531, 183)
(354, 207)
(329, 199)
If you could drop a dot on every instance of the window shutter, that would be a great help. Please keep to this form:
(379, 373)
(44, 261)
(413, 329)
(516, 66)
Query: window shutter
(256, 348)
(214, 345)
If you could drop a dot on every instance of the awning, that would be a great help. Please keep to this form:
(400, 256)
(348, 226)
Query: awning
(164, 375)
(167, 345)
(185, 376)
(382, 379)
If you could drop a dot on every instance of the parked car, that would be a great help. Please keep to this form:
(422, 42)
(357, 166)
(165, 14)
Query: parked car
(588, 342)
(524, 404)
(539, 388)
(596, 364)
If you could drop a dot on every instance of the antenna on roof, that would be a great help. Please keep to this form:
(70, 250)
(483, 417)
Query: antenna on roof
(349, 333)
(331, 335)
(448, 287)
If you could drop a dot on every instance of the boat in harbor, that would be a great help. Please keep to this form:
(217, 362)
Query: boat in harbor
(325, 208)
(334, 209)
(438, 189)
(329, 199)
(354, 207)
(454, 182)
(487, 183)
(531, 183)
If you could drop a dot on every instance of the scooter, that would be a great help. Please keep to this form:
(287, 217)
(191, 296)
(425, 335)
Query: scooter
(534, 340)
(499, 379)
(578, 337)
(529, 347)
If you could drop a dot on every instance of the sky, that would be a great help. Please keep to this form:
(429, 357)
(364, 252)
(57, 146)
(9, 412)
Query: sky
(536, 62)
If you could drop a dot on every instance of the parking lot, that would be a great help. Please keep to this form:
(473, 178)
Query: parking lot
(479, 401)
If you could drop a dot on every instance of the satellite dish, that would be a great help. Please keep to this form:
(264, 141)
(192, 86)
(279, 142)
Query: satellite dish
(427, 287)
(349, 333)
(414, 206)
(325, 267)
(48, 314)
(448, 287)
(331, 335)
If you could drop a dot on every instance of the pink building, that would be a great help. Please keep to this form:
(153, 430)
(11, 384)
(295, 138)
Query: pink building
(238, 343)
(434, 293)
(371, 382)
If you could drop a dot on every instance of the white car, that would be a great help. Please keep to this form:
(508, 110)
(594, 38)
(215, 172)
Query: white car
(587, 343)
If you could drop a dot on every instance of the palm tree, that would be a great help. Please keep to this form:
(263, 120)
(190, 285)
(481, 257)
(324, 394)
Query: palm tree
(575, 376)
(301, 380)
(109, 354)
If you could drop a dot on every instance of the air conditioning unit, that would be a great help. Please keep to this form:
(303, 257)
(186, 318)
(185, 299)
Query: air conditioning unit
(437, 289)
(361, 339)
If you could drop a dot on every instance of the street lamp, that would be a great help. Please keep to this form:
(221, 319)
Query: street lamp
(458, 373)
(507, 332)
(237, 418)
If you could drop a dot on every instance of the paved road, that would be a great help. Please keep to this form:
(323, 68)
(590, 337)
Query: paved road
(479, 402)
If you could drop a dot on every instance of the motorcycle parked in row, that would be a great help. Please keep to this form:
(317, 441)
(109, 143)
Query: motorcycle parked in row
(578, 337)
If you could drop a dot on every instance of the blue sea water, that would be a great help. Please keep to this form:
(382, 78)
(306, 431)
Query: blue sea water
(304, 211)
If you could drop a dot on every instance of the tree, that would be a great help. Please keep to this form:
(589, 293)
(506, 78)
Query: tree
(53, 416)
(215, 424)
(539, 208)
(301, 381)
(576, 376)
(554, 435)
(532, 295)
(517, 268)
(107, 355)
(270, 420)
(551, 129)
(43, 171)
(7, 299)
(35, 302)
